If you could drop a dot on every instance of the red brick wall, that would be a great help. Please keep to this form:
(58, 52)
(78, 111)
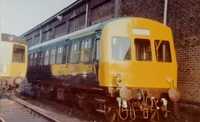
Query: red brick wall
(184, 19)
(152, 9)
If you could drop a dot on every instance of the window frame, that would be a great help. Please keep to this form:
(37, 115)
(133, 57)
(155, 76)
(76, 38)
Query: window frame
(48, 59)
(78, 42)
(51, 61)
(59, 54)
(19, 47)
(156, 51)
(85, 47)
(111, 56)
(150, 46)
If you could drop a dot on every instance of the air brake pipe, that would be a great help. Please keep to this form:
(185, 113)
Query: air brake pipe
(165, 12)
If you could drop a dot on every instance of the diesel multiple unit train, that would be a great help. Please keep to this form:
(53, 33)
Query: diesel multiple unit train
(125, 68)
(13, 61)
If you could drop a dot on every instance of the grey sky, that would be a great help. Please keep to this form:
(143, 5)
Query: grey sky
(18, 16)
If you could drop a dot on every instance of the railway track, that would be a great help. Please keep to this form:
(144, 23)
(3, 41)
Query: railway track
(13, 109)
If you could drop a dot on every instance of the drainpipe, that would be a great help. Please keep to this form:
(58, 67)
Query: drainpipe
(117, 9)
(165, 12)
(86, 15)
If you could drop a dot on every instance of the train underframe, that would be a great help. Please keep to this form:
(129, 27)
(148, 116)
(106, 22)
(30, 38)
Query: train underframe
(10, 83)
(146, 104)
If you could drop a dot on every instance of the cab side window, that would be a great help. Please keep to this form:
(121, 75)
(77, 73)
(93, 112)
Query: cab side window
(121, 49)
(18, 54)
(163, 53)
(143, 50)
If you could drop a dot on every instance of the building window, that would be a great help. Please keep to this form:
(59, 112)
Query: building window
(86, 50)
(143, 50)
(75, 52)
(46, 58)
(77, 23)
(121, 48)
(163, 53)
(47, 35)
(37, 39)
(59, 55)
(60, 29)
(18, 54)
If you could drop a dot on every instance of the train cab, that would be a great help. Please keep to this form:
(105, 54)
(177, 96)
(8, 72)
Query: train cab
(139, 52)
(13, 63)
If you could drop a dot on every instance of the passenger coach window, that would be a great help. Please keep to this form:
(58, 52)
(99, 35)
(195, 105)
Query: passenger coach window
(42, 58)
(59, 55)
(143, 50)
(121, 48)
(75, 52)
(35, 59)
(67, 50)
(97, 49)
(163, 52)
(46, 58)
(53, 56)
(30, 59)
(18, 54)
(85, 50)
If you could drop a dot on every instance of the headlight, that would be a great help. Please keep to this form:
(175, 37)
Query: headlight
(117, 79)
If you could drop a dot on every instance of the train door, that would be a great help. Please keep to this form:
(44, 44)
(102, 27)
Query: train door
(165, 62)
(19, 60)
(144, 70)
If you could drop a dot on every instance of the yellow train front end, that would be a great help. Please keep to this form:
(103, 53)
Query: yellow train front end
(13, 63)
(138, 62)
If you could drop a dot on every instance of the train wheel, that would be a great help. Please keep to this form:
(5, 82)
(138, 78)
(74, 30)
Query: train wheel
(60, 94)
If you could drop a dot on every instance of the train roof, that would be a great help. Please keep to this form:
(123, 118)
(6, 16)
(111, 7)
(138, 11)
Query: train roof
(88, 31)
(74, 35)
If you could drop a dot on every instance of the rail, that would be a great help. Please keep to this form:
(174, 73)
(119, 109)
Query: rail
(34, 108)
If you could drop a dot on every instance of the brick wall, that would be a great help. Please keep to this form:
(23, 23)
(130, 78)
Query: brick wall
(152, 9)
(184, 19)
